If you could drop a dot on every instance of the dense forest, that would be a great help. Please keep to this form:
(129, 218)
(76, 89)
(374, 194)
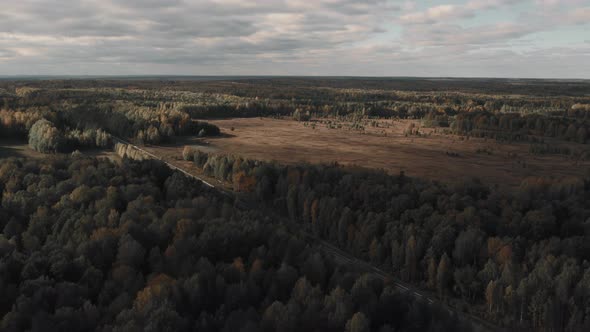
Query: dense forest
(521, 259)
(89, 245)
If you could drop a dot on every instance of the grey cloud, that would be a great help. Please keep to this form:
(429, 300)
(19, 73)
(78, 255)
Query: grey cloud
(445, 35)
(449, 12)
(6, 53)
(250, 37)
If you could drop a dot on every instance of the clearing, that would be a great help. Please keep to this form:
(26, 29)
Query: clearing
(432, 155)
(10, 147)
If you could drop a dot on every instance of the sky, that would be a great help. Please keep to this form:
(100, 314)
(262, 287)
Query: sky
(453, 38)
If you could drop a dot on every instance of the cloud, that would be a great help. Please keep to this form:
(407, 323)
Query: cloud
(436, 14)
(560, 3)
(450, 12)
(207, 28)
(335, 37)
(453, 35)
(579, 16)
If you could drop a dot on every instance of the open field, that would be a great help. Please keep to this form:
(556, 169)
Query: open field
(17, 149)
(434, 156)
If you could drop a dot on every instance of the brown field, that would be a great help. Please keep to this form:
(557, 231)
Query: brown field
(431, 156)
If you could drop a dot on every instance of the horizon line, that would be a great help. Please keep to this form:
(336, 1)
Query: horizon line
(160, 76)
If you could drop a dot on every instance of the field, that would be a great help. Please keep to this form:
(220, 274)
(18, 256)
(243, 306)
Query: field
(432, 155)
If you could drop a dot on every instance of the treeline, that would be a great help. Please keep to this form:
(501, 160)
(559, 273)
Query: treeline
(281, 98)
(16, 124)
(89, 245)
(66, 127)
(572, 152)
(45, 137)
(513, 126)
(287, 87)
(47, 132)
(156, 112)
(521, 259)
(144, 124)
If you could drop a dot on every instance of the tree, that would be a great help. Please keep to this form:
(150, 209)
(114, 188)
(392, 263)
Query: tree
(285, 278)
(163, 318)
(375, 252)
(152, 135)
(278, 317)
(397, 254)
(493, 295)
(465, 282)
(489, 272)
(508, 276)
(243, 182)
(431, 271)
(130, 252)
(315, 269)
(358, 323)
(443, 275)
(300, 115)
(103, 139)
(411, 258)
(338, 306)
(467, 247)
(45, 137)
(540, 223)
(188, 153)
(292, 204)
(346, 219)
(571, 132)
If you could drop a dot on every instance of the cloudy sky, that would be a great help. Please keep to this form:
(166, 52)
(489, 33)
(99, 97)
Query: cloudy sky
(491, 38)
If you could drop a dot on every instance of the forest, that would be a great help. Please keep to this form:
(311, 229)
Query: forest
(89, 245)
(520, 258)
(98, 244)
(514, 126)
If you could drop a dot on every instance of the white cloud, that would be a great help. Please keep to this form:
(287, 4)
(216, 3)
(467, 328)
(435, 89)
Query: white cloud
(436, 14)
(579, 16)
(449, 12)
